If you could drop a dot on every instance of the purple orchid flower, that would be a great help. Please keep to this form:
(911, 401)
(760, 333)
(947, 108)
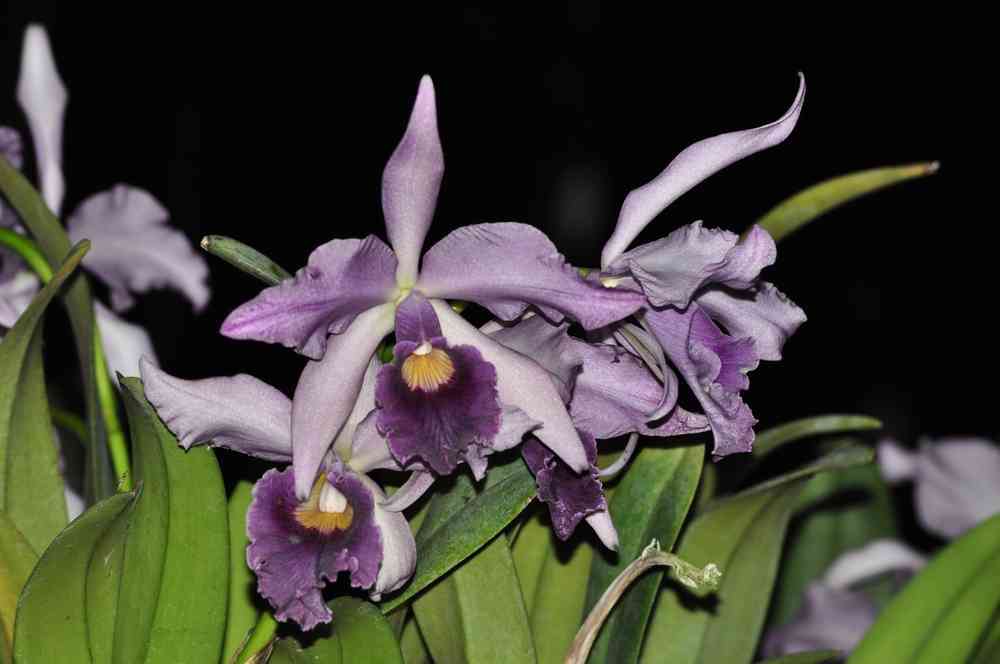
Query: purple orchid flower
(297, 545)
(351, 289)
(695, 279)
(132, 248)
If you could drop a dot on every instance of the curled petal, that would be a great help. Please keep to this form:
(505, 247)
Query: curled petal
(764, 314)
(411, 182)
(133, 249)
(524, 384)
(673, 269)
(42, 95)
(604, 528)
(399, 550)
(124, 343)
(370, 450)
(830, 618)
(240, 412)
(415, 486)
(328, 389)
(874, 559)
(694, 164)
(506, 267)
(550, 346)
(15, 296)
(342, 279)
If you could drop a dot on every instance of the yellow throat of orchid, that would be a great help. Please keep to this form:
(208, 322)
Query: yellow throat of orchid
(427, 368)
(326, 510)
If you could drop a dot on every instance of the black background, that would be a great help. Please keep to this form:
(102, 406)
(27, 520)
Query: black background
(273, 127)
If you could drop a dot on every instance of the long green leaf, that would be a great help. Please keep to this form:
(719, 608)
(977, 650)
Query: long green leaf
(743, 535)
(790, 432)
(553, 577)
(17, 558)
(55, 244)
(946, 610)
(31, 488)
(242, 615)
(411, 643)
(173, 596)
(458, 525)
(795, 212)
(359, 634)
(813, 657)
(651, 502)
(51, 626)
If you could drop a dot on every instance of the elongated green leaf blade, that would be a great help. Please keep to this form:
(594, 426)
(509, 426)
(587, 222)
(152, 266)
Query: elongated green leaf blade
(814, 657)
(946, 610)
(50, 613)
(807, 427)
(743, 535)
(172, 601)
(242, 615)
(245, 258)
(31, 488)
(359, 634)
(651, 502)
(55, 244)
(795, 212)
(17, 559)
(411, 644)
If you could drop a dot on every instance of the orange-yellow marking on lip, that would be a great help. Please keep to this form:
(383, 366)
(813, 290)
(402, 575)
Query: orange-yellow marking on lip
(427, 368)
(309, 515)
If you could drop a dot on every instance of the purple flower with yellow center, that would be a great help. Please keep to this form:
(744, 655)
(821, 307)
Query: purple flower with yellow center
(706, 309)
(337, 309)
(297, 545)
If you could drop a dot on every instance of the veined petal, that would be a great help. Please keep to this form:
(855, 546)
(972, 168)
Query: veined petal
(342, 279)
(42, 96)
(124, 343)
(507, 266)
(346, 444)
(550, 346)
(522, 383)
(328, 390)
(411, 182)
(399, 550)
(15, 296)
(695, 163)
(134, 250)
(240, 412)
(673, 269)
(764, 314)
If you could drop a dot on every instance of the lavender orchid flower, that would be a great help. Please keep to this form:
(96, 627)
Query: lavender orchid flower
(133, 250)
(297, 545)
(696, 278)
(351, 289)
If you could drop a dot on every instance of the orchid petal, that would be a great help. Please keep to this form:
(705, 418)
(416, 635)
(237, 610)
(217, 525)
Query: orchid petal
(42, 95)
(328, 389)
(124, 343)
(11, 147)
(342, 279)
(133, 249)
(240, 412)
(522, 383)
(15, 296)
(370, 450)
(695, 163)
(345, 445)
(514, 426)
(411, 182)
(765, 315)
(829, 619)
(622, 460)
(604, 528)
(879, 557)
(415, 486)
(550, 346)
(673, 269)
(507, 266)
(399, 550)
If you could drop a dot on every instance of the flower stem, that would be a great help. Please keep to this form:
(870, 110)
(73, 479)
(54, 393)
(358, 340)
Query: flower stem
(117, 446)
(706, 578)
(258, 645)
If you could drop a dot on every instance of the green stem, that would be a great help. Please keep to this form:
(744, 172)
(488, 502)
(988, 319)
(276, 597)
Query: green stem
(117, 445)
(259, 641)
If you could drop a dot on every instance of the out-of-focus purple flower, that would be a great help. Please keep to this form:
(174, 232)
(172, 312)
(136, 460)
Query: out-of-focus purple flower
(297, 545)
(351, 288)
(835, 614)
(956, 480)
(696, 279)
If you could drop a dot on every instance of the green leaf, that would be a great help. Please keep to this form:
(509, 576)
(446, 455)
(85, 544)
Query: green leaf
(553, 577)
(807, 427)
(946, 610)
(812, 203)
(460, 521)
(837, 512)
(55, 244)
(17, 559)
(812, 657)
(245, 258)
(172, 602)
(50, 623)
(243, 611)
(651, 502)
(359, 634)
(31, 488)
(411, 644)
(476, 612)
(988, 650)
(743, 535)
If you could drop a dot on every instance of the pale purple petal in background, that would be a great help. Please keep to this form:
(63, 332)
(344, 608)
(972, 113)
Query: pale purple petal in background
(830, 619)
(11, 147)
(15, 296)
(878, 557)
(549, 345)
(134, 250)
(764, 314)
(507, 266)
(694, 164)
(345, 445)
(124, 343)
(10, 262)
(239, 412)
(411, 182)
(342, 279)
(42, 96)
